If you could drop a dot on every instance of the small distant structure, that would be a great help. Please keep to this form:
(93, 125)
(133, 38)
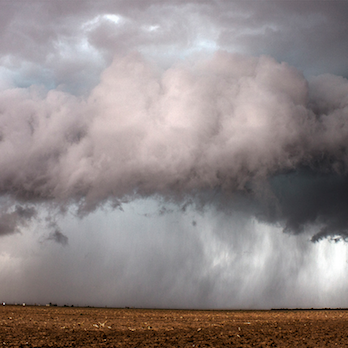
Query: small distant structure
(51, 304)
(3, 303)
(23, 304)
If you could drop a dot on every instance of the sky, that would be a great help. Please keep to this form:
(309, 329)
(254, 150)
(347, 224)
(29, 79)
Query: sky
(174, 154)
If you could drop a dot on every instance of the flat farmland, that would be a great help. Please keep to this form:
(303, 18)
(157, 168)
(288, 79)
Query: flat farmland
(41, 326)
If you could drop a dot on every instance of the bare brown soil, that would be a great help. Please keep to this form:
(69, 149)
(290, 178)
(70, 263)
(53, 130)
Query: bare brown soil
(37, 326)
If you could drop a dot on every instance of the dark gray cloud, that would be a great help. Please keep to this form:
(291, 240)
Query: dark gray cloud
(57, 237)
(70, 44)
(307, 34)
(13, 218)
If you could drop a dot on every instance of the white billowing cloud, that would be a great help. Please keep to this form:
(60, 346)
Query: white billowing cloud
(227, 123)
(191, 127)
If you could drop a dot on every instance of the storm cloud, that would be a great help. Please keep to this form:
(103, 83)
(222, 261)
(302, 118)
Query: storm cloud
(236, 111)
(230, 123)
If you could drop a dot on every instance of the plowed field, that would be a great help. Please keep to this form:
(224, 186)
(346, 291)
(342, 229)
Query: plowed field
(38, 326)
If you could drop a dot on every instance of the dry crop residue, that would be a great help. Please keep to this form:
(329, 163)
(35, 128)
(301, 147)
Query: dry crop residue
(37, 326)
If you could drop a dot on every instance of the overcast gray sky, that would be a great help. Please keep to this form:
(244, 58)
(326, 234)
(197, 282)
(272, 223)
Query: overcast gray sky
(174, 153)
